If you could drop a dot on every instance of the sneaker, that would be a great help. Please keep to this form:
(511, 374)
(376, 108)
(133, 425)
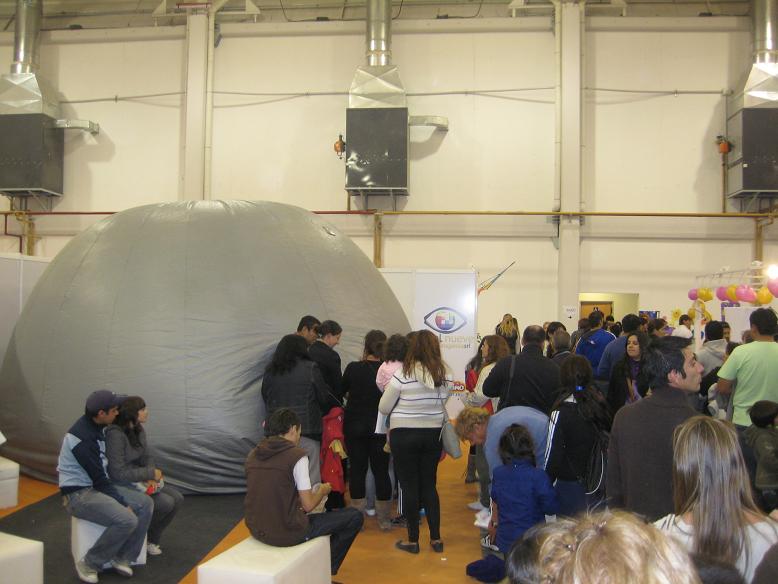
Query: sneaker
(86, 573)
(486, 543)
(122, 567)
(370, 512)
(153, 549)
(476, 506)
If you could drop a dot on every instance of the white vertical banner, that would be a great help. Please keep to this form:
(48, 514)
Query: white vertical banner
(445, 303)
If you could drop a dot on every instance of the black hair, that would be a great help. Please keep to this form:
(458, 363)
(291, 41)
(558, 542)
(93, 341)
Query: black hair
(280, 422)
(533, 335)
(610, 318)
(615, 329)
(516, 444)
(630, 323)
(309, 322)
(684, 318)
(764, 320)
(714, 331)
(374, 343)
(577, 380)
(550, 330)
(583, 324)
(595, 319)
(396, 348)
(763, 413)
(715, 571)
(290, 350)
(127, 419)
(665, 355)
(656, 324)
(329, 327)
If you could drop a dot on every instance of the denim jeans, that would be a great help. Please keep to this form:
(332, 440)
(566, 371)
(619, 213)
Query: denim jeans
(125, 527)
(166, 505)
(342, 525)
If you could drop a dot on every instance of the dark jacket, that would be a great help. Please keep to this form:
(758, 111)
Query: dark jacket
(127, 463)
(303, 391)
(640, 453)
(618, 388)
(570, 442)
(328, 361)
(359, 386)
(764, 441)
(535, 381)
(81, 460)
(274, 512)
(561, 357)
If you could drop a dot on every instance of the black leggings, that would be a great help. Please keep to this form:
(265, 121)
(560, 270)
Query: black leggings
(364, 449)
(416, 454)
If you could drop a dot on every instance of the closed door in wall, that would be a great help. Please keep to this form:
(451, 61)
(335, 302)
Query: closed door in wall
(589, 306)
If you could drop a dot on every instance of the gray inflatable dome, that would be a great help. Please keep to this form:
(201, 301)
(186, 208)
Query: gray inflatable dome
(182, 304)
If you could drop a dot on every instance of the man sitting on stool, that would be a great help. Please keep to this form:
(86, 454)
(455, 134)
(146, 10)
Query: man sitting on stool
(278, 494)
(89, 494)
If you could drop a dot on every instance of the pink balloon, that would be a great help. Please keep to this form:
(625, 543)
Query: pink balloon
(745, 293)
(772, 286)
(693, 295)
(721, 293)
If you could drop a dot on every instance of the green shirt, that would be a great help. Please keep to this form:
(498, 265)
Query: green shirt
(755, 367)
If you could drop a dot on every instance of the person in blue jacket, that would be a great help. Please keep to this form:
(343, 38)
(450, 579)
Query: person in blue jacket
(88, 493)
(592, 343)
(522, 495)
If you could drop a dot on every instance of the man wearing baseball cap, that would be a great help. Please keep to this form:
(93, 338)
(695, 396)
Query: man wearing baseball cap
(89, 494)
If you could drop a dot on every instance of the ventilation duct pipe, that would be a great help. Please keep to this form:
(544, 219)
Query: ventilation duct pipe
(762, 82)
(32, 140)
(379, 33)
(26, 36)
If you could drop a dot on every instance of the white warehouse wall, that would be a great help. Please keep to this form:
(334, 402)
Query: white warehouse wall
(640, 152)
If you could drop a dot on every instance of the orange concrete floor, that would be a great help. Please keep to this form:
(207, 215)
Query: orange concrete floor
(372, 558)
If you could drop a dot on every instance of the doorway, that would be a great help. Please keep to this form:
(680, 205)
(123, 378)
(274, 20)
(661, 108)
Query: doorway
(589, 306)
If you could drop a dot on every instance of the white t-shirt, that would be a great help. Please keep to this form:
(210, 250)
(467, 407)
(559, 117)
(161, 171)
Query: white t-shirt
(682, 331)
(302, 479)
(761, 537)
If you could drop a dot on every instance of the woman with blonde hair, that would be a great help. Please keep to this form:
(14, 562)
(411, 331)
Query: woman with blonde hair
(612, 548)
(715, 513)
(415, 398)
(508, 329)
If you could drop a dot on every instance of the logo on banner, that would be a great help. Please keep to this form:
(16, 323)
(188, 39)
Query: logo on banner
(445, 320)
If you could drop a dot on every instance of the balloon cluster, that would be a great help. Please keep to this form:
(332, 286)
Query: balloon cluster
(735, 293)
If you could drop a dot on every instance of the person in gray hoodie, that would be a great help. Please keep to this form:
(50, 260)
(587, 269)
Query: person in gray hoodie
(712, 353)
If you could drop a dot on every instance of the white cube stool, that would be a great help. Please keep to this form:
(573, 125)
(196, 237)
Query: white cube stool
(21, 560)
(253, 562)
(9, 483)
(84, 534)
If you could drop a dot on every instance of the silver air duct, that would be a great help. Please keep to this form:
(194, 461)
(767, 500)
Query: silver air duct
(377, 116)
(31, 145)
(26, 33)
(752, 123)
(762, 82)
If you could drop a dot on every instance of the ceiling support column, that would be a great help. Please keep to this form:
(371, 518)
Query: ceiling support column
(569, 29)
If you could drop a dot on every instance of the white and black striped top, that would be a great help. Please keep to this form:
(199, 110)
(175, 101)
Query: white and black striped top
(414, 401)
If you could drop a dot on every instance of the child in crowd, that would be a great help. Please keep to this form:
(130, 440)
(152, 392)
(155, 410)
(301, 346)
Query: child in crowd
(763, 438)
(521, 497)
(394, 355)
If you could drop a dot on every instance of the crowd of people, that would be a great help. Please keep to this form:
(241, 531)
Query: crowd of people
(654, 464)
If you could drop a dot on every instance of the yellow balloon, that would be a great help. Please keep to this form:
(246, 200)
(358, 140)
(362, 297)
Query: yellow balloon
(732, 293)
(707, 316)
(692, 313)
(764, 296)
(705, 294)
